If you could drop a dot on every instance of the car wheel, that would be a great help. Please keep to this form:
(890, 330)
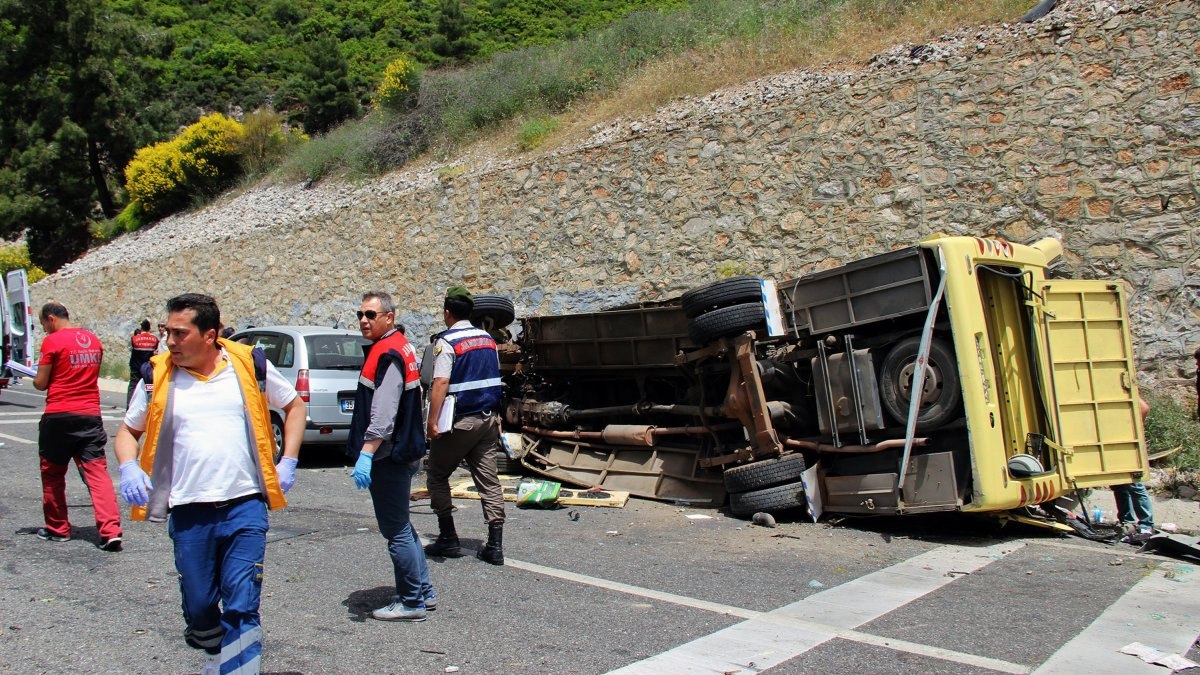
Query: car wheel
(277, 430)
(721, 293)
(497, 309)
(727, 321)
(764, 474)
(778, 498)
(940, 397)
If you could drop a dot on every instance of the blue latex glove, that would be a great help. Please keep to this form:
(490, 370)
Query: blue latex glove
(135, 484)
(287, 472)
(362, 470)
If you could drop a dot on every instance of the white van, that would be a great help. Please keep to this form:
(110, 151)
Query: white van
(16, 325)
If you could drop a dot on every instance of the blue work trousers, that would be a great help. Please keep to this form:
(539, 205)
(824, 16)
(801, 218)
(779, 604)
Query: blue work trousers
(1133, 504)
(219, 553)
(391, 484)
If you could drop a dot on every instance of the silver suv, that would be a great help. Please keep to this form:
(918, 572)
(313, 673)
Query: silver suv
(323, 363)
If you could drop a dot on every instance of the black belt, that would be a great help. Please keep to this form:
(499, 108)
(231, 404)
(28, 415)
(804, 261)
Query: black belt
(224, 504)
(481, 413)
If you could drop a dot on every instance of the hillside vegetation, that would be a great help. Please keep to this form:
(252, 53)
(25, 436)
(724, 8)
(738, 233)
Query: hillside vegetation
(93, 81)
(86, 83)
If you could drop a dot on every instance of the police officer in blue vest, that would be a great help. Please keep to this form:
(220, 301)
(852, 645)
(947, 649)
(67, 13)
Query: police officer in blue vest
(466, 375)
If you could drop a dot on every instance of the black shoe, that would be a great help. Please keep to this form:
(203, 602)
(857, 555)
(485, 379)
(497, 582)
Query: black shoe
(444, 546)
(493, 552)
(112, 544)
(493, 555)
(47, 535)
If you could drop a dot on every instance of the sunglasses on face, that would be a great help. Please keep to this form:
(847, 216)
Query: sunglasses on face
(370, 314)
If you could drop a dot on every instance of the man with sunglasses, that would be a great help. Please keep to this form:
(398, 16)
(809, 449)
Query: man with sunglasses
(386, 444)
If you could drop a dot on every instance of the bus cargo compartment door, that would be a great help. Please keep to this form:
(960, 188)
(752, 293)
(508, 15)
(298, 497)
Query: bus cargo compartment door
(1092, 371)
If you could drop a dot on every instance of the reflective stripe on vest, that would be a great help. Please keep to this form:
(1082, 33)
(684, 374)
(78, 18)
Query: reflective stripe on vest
(477, 384)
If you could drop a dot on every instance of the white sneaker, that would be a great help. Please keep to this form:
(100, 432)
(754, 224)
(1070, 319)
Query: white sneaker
(211, 665)
(398, 612)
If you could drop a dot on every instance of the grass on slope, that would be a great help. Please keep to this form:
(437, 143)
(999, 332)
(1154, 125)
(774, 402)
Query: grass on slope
(629, 68)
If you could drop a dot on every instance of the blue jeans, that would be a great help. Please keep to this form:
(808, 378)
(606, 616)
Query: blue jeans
(391, 484)
(219, 555)
(1133, 504)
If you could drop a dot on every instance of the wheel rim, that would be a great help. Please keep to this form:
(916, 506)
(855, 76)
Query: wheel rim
(933, 382)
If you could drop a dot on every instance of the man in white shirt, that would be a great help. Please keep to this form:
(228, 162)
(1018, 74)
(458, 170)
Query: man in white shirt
(206, 460)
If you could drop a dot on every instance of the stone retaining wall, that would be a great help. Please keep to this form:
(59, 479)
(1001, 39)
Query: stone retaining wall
(1087, 126)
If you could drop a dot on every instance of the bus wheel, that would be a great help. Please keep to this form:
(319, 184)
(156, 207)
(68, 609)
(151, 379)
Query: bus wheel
(941, 395)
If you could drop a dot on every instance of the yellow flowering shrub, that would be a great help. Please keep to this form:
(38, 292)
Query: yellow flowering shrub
(399, 82)
(202, 159)
(16, 256)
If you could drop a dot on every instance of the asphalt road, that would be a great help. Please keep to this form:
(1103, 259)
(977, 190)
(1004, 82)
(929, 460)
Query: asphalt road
(641, 589)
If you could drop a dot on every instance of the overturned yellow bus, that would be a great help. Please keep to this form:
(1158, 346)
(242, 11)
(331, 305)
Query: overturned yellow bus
(953, 375)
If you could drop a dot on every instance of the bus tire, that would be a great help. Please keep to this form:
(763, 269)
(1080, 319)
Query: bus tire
(778, 498)
(721, 293)
(942, 394)
(495, 307)
(727, 321)
(764, 473)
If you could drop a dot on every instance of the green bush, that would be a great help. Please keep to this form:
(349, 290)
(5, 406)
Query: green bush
(16, 256)
(1172, 423)
(266, 139)
(130, 219)
(534, 131)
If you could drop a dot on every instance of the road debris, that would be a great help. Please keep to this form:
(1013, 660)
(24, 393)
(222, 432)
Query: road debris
(566, 496)
(763, 519)
(1158, 657)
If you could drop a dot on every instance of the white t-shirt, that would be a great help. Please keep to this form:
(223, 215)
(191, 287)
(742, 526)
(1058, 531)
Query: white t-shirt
(212, 460)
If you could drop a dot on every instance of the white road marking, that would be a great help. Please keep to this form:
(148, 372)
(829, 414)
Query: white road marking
(831, 614)
(18, 439)
(25, 393)
(767, 639)
(1158, 611)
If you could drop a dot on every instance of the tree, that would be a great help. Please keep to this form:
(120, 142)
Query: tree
(69, 123)
(453, 39)
(327, 95)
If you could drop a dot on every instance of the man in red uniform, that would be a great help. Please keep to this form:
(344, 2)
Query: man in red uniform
(142, 345)
(71, 427)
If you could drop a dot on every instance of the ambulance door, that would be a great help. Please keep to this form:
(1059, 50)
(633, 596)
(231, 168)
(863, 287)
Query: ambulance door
(19, 320)
(1092, 377)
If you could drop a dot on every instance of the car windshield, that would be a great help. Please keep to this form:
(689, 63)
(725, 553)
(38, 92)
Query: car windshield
(335, 352)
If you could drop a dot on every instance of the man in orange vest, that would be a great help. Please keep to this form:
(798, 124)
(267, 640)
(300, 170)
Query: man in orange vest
(142, 345)
(206, 459)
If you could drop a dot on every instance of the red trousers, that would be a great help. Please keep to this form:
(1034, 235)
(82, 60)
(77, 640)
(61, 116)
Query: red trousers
(104, 499)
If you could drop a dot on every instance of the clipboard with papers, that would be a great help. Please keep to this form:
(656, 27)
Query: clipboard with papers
(445, 420)
(21, 369)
